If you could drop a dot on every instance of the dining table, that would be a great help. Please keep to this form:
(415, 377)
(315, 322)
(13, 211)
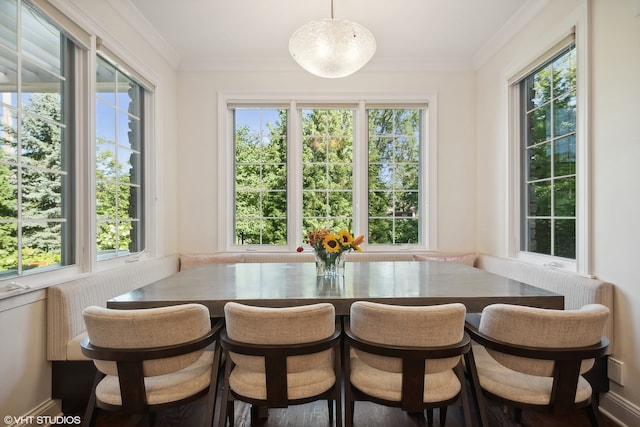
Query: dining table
(292, 284)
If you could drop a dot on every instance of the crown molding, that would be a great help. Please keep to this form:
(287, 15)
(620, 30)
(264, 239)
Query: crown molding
(141, 24)
(512, 27)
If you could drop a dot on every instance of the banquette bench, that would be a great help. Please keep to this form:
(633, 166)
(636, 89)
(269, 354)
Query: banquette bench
(72, 373)
(190, 260)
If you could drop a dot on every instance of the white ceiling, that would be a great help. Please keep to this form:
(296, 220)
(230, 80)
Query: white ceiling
(410, 34)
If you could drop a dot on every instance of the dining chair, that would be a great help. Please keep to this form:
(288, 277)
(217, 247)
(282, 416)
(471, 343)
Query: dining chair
(534, 358)
(151, 359)
(406, 357)
(277, 357)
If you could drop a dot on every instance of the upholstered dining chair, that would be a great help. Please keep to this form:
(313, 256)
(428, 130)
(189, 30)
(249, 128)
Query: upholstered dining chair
(276, 357)
(533, 358)
(150, 359)
(406, 357)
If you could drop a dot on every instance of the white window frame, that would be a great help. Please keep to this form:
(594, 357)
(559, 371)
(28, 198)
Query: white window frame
(428, 183)
(577, 25)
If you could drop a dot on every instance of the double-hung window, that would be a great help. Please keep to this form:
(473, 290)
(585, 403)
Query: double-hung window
(395, 143)
(299, 167)
(548, 153)
(260, 189)
(119, 162)
(327, 168)
(37, 156)
(549, 220)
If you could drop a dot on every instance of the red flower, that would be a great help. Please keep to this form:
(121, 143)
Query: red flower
(299, 249)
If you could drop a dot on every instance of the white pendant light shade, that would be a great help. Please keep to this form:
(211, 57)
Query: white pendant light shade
(332, 48)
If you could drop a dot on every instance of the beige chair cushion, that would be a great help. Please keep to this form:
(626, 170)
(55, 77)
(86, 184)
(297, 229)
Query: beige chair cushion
(147, 328)
(428, 326)
(545, 328)
(164, 388)
(190, 261)
(467, 259)
(311, 382)
(530, 389)
(388, 385)
(308, 375)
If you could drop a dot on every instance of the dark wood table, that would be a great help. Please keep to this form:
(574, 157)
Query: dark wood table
(290, 284)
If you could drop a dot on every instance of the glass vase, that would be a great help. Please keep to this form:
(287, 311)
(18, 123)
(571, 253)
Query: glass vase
(329, 264)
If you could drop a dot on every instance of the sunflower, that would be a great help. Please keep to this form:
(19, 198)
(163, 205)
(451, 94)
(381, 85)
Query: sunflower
(331, 243)
(345, 238)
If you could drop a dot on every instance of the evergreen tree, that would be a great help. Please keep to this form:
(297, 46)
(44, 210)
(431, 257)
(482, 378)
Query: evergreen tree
(42, 179)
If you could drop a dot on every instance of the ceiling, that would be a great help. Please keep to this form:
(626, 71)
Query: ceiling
(254, 34)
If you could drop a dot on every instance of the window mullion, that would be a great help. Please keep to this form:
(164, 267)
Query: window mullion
(360, 170)
(294, 177)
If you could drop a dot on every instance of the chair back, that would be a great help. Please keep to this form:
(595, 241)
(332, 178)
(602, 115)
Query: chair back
(145, 329)
(280, 326)
(542, 328)
(425, 326)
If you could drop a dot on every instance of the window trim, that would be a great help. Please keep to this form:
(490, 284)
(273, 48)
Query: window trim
(294, 186)
(582, 264)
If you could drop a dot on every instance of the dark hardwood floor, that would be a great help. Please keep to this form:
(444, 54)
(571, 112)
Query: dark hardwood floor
(366, 415)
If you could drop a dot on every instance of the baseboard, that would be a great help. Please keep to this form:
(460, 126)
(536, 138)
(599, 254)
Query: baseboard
(620, 410)
(46, 414)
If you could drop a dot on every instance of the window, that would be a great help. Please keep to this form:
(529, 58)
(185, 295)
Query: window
(36, 161)
(261, 176)
(394, 175)
(548, 152)
(119, 162)
(298, 168)
(327, 169)
(46, 148)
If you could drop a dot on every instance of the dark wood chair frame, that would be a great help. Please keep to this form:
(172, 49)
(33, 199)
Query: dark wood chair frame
(276, 375)
(131, 377)
(413, 365)
(566, 373)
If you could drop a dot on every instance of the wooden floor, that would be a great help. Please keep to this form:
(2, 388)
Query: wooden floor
(366, 415)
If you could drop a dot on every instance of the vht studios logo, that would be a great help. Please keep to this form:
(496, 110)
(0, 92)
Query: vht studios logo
(43, 420)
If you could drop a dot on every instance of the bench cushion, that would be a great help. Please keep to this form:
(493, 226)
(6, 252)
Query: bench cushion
(191, 260)
(467, 259)
(66, 301)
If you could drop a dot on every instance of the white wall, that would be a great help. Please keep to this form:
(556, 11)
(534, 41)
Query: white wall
(615, 148)
(25, 374)
(616, 178)
(199, 203)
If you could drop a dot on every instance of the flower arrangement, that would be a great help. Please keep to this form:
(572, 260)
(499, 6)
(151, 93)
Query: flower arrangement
(329, 247)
